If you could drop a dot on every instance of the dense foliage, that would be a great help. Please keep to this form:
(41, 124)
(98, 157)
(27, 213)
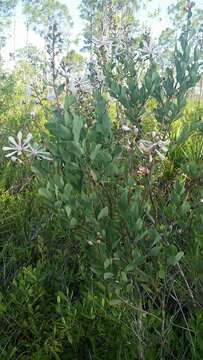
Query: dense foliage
(101, 193)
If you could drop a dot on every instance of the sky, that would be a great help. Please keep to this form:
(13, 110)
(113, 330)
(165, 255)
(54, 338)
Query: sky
(157, 24)
(35, 39)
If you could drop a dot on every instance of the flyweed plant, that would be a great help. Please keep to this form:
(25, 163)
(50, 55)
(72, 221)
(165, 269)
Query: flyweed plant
(111, 187)
(108, 266)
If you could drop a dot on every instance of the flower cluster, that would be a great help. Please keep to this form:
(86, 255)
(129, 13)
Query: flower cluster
(189, 6)
(20, 148)
(127, 129)
(35, 151)
(80, 83)
(17, 146)
(143, 171)
(149, 148)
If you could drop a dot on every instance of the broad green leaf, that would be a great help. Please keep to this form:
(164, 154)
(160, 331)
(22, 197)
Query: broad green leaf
(68, 210)
(77, 127)
(115, 302)
(108, 275)
(139, 224)
(103, 213)
(64, 132)
(58, 181)
(45, 193)
(69, 100)
(107, 263)
(68, 119)
(95, 152)
(124, 277)
(173, 260)
(73, 222)
(74, 148)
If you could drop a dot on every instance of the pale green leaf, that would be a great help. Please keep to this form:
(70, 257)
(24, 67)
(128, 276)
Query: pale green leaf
(103, 213)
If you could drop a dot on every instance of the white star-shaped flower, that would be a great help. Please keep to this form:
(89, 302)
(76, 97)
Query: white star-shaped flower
(17, 146)
(38, 152)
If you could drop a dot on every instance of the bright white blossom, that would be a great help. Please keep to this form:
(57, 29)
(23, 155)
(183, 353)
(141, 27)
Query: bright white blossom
(150, 47)
(104, 42)
(125, 128)
(38, 152)
(16, 159)
(80, 84)
(17, 146)
(33, 113)
(20, 148)
(163, 145)
(135, 130)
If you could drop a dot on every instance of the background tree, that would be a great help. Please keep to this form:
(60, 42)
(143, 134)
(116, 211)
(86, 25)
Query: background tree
(106, 18)
(43, 13)
(7, 14)
(176, 12)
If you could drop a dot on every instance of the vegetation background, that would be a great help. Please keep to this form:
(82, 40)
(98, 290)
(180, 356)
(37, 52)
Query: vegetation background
(101, 187)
